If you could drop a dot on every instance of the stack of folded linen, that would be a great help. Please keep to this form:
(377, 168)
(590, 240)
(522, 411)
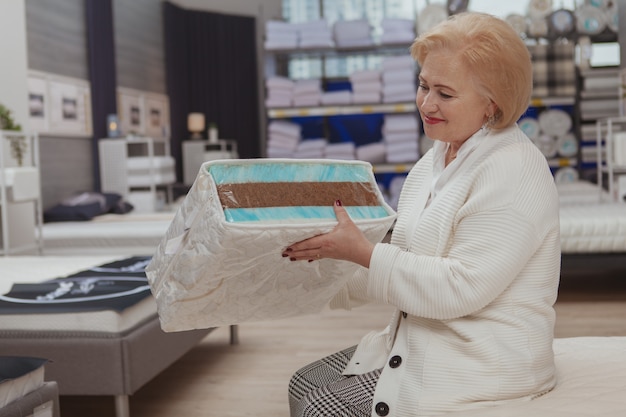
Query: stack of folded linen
(307, 92)
(401, 135)
(315, 34)
(397, 31)
(353, 33)
(336, 98)
(341, 150)
(283, 138)
(374, 153)
(279, 91)
(280, 35)
(393, 192)
(366, 86)
(398, 75)
(311, 149)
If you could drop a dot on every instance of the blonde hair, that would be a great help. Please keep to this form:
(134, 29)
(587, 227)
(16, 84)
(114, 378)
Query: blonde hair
(494, 54)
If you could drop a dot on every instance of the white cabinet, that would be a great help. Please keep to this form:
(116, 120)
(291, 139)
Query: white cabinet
(20, 193)
(196, 152)
(137, 168)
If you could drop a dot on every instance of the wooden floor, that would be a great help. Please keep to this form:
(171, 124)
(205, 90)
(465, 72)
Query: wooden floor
(250, 379)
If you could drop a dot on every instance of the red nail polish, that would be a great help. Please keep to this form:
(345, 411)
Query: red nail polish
(292, 259)
(285, 255)
(338, 203)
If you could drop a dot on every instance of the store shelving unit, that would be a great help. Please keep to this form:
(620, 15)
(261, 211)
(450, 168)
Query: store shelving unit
(608, 169)
(20, 193)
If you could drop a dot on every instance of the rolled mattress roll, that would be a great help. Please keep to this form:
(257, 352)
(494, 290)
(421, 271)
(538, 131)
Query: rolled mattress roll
(220, 261)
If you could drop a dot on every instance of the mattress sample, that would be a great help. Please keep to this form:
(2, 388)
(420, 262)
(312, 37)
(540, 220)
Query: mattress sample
(220, 261)
(27, 269)
(591, 381)
(593, 228)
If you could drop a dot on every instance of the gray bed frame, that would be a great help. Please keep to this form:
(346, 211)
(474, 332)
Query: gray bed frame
(93, 363)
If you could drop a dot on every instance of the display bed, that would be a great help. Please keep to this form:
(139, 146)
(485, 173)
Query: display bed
(591, 381)
(132, 233)
(100, 352)
(593, 228)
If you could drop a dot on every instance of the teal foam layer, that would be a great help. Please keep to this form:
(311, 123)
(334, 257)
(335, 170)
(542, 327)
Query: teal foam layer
(289, 172)
(275, 214)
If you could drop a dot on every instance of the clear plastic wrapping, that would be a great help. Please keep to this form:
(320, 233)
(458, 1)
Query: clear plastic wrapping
(220, 261)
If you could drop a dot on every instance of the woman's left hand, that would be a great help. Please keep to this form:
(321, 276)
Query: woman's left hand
(345, 241)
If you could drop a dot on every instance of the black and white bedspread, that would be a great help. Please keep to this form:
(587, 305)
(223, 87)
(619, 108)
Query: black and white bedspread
(111, 294)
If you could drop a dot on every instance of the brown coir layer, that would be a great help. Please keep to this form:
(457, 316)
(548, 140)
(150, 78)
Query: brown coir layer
(290, 194)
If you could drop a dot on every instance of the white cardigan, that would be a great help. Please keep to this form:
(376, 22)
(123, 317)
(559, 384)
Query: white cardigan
(477, 279)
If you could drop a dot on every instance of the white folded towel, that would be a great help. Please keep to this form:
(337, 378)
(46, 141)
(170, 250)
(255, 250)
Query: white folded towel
(325, 41)
(396, 37)
(312, 26)
(279, 153)
(279, 82)
(390, 24)
(374, 153)
(279, 94)
(305, 86)
(312, 144)
(400, 137)
(286, 128)
(405, 97)
(396, 149)
(352, 29)
(309, 153)
(273, 103)
(364, 76)
(400, 88)
(400, 123)
(277, 140)
(398, 62)
(375, 86)
(398, 76)
(279, 26)
(403, 158)
(307, 100)
(284, 42)
(341, 150)
(336, 97)
(354, 43)
(365, 98)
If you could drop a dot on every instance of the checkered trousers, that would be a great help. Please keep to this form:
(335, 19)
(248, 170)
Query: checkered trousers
(320, 390)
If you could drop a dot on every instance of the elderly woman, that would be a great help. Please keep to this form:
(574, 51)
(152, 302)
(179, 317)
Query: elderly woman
(473, 262)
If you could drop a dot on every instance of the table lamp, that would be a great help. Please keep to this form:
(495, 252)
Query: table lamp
(195, 124)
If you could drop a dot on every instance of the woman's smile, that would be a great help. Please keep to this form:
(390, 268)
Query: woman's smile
(432, 120)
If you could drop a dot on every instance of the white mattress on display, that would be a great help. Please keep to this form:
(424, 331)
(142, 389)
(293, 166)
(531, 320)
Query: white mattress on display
(132, 234)
(590, 221)
(593, 228)
(32, 269)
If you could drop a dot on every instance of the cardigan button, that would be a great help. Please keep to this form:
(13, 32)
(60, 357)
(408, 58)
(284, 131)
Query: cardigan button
(395, 361)
(404, 315)
(382, 409)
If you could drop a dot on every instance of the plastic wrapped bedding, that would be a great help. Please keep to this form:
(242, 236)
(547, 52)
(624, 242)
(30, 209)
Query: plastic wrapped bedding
(220, 261)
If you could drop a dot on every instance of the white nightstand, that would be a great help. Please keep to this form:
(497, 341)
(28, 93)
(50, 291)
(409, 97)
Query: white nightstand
(196, 152)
